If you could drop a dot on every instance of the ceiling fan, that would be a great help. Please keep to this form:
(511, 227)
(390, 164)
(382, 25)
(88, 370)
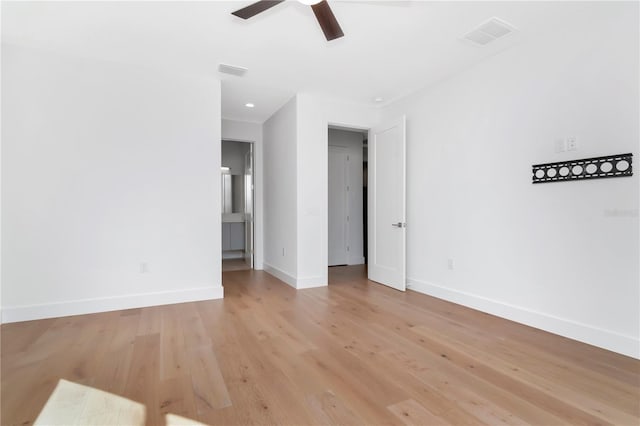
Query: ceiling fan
(321, 9)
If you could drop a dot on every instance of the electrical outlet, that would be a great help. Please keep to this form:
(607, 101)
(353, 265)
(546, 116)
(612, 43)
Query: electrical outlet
(572, 143)
(144, 267)
(450, 264)
(283, 251)
(560, 145)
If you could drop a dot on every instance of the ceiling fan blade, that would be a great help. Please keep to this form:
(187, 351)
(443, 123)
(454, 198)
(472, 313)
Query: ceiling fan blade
(255, 8)
(327, 20)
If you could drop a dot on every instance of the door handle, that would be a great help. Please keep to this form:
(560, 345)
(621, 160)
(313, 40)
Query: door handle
(399, 225)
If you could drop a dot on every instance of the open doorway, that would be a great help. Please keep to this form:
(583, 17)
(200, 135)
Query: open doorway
(237, 206)
(347, 199)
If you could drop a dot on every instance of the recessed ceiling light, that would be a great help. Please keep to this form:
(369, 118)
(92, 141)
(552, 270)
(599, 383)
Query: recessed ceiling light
(249, 105)
(378, 99)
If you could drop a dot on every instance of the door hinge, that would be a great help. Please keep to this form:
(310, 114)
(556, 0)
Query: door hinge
(347, 248)
(347, 218)
(347, 158)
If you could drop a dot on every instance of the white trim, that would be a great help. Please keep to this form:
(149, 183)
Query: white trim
(626, 345)
(233, 254)
(279, 274)
(356, 260)
(297, 283)
(104, 304)
(311, 282)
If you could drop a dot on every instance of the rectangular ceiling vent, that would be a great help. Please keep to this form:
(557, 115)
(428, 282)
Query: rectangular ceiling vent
(488, 31)
(232, 69)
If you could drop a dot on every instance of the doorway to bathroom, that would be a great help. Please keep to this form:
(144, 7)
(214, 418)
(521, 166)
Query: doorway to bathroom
(237, 171)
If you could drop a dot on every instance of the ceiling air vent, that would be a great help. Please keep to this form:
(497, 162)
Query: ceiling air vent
(488, 31)
(232, 69)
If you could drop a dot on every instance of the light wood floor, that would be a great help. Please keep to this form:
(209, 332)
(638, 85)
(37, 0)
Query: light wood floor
(229, 265)
(352, 353)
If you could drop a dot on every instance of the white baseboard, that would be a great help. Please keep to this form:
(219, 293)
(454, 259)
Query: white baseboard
(279, 274)
(311, 282)
(233, 254)
(105, 304)
(297, 283)
(623, 344)
(358, 260)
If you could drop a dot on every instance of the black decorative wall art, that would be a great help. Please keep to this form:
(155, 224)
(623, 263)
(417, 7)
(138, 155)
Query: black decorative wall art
(588, 168)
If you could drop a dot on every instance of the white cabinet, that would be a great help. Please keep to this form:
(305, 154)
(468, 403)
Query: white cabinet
(236, 235)
(232, 236)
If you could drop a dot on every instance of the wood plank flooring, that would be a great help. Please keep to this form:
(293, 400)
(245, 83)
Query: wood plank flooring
(229, 265)
(352, 353)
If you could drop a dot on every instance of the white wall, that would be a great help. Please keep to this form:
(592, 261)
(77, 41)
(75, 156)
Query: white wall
(1, 185)
(106, 170)
(280, 193)
(242, 131)
(560, 256)
(313, 199)
(352, 142)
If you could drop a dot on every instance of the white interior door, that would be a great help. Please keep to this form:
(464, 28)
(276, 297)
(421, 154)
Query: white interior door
(386, 192)
(337, 206)
(248, 207)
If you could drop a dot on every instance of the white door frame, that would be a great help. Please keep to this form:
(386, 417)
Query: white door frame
(256, 149)
(249, 238)
(370, 211)
(344, 126)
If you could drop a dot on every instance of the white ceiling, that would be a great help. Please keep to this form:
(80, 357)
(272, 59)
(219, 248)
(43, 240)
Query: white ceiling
(389, 50)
